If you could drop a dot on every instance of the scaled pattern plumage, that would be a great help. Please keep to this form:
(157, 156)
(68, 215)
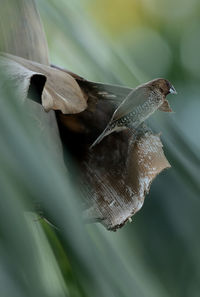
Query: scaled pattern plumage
(141, 103)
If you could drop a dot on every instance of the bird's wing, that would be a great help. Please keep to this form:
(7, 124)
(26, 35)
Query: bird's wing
(137, 97)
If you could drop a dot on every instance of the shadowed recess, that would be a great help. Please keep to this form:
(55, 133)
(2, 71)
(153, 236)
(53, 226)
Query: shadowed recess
(36, 87)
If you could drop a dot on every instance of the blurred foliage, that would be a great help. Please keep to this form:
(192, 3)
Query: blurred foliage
(125, 42)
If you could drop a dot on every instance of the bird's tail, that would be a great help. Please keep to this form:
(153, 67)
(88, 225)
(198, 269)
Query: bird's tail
(105, 132)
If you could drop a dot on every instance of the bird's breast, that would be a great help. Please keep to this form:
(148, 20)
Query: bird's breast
(141, 112)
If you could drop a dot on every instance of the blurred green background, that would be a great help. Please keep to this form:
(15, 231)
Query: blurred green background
(125, 42)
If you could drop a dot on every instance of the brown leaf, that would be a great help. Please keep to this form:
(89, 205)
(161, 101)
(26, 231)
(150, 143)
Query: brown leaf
(118, 172)
(61, 91)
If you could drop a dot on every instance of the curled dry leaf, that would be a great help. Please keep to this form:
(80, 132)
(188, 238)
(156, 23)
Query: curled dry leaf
(58, 89)
(118, 172)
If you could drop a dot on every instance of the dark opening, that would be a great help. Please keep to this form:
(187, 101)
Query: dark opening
(36, 87)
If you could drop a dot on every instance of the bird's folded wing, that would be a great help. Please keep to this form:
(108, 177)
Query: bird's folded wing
(135, 99)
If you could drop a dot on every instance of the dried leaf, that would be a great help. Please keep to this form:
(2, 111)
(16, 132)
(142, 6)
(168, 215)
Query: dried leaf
(118, 172)
(61, 91)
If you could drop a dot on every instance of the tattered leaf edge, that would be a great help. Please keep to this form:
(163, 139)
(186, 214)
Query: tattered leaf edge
(60, 90)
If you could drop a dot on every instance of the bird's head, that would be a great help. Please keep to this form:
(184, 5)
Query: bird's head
(163, 85)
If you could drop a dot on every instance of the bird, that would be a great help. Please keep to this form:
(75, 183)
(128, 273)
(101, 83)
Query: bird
(139, 104)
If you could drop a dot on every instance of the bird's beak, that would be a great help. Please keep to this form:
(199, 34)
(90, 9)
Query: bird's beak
(172, 90)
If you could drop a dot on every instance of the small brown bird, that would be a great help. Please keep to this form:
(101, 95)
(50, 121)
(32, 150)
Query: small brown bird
(142, 102)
